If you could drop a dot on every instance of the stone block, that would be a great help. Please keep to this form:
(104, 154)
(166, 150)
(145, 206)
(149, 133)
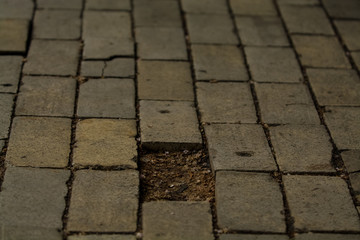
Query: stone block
(108, 5)
(205, 6)
(10, 68)
(355, 183)
(253, 237)
(16, 9)
(343, 9)
(6, 108)
(118, 67)
(351, 160)
(102, 237)
(59, 4)
(326, 236)
(356, 58)
(13, 35)
(106, 48)
(253, 7)
(350, 33)
(29, 233)
(299, 2)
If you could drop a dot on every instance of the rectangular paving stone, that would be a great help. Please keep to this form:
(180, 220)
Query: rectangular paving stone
(106, 142)
(299, 2)
(33, 197)
(29, 233)
(10, 68)
(161, 43)
(16, 9)
(306, 20)
(300, 148)
(238, 147)
(158, 13)
(350, 33)
(253, 237)
(216, 29)
(344, 126)
(169, 125)
(225, 102)
(6, 107)
(106, 48)
(249, 202)
(56, 24)
(102, 237)
(118, 67)
(39, 142)
(326, 236)
(335, 86)
(104, 201)
(205, 6)
(108, 5)
(343, 9)
(351, 160)
(107, 98)
(59, 4)
(273, 64)
(261, 31)
(320, 51)
(253, 7)
(355, 183)
(52, 57)
(177, 220)
(13, 35)
(164, 80)
(286, 104)
(320, 203)
(212, 62)
(46, 96)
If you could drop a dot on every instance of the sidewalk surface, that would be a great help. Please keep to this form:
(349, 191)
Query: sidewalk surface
(267, 91)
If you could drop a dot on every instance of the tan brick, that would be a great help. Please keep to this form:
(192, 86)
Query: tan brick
(13, 35)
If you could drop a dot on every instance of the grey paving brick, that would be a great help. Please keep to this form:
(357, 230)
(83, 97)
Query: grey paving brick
(355, 183)
(169, 125)
(225, 102)
(326, 236)
(106, 142)
(105, 48)
(157, 13)
(273, 64)
(17, 9)
(92, 68)
(351, 160)
(216, 29)
(108, 5)
(57, 24)
(161, 43)
(118, 67)
(344, 126)
(10, 68)
(306, 19)
(13, 35)
(60, 4)
(261, 31)
(177, 220)
(6, 107)
(350, 33)
(253, 7)
(286, 103)
(205, 6)
(29, 233)
(253, 237)
(335, 87)
(102, 237)
(39, 142)
(240, 199)
(46, 96)
(162, 80)
(320, 51)
(300, 148)
(52, 57)
(299, 2)
(33, 197)
(320, 203)
(107, 98)
(238, 147)
(213, 62)
(343, 9)
(356, 58)
(104, 201)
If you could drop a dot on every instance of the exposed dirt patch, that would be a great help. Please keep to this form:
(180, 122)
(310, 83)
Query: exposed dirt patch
(180, 176)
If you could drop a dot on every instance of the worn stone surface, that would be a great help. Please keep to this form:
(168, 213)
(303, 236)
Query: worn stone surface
(118, 67)
(320, 51)
(344, 126)
(13, 35)
(92, 68)
(225, 102)
(6, 107)
(2, 144)
(167, 125)
(216, 29)
(17, 9)
(105, 48)
(10, 68)
(335, 87)
(301, 148)
(102, 237)
(299, 2)
(253, 7)
(253, 237)
(286, 103)
(355, 183)
(212, 62)
(32, 197)
(52, 57)
(57, 24)
(343, 9)
(261, 31)
(59, 4)
(205, 6)
(29, 233)
(108, 5)
(46, 96)
(164, 80)
(177, 220)
(273, 64)
(238, 147)
(320, 203)
(306, 20)
(161, 43)
(104, 201)
(356, 58)
(326, 236)
(39, 142)
(105, 142)
(240, 199)
(350, 33)
(107, 98)
(351, 160)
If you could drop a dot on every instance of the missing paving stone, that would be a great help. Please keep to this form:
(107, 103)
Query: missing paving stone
(178, 176)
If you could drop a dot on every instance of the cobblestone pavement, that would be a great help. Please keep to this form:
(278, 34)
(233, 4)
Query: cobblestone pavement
(270, 89)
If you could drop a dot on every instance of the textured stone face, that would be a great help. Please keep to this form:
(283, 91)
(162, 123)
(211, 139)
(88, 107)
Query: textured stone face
(108, 5)
(253, 237)
(118, 67)
(205, 6)
(6, 105)
(10, 68)
(351, 160)
(59, 4)
(343, 9)
(13, 35)
(350, 33)
(102, 237)
(253, 7)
